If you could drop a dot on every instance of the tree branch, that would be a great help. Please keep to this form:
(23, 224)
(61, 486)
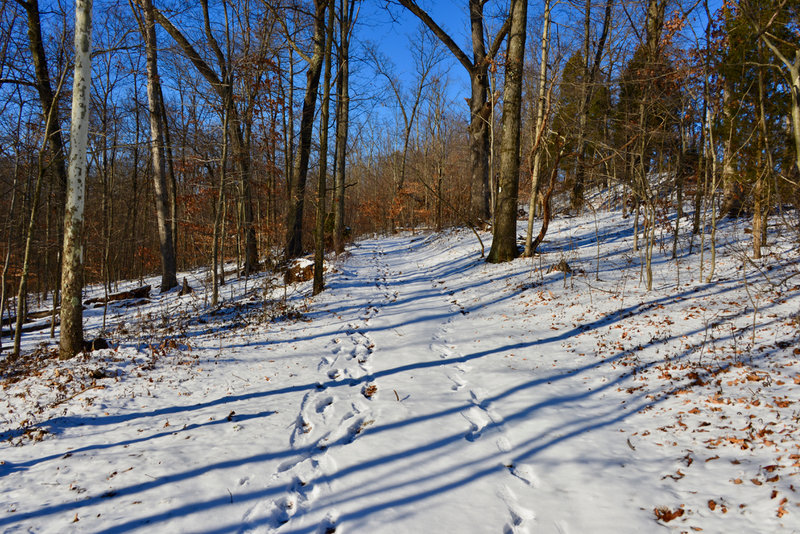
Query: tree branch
(498, 39)
(205, 70)
(462, 58)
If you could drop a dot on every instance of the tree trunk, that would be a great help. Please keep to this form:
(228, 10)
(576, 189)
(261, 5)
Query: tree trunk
(297, 185)
(71, 341)
(480, 107)
(733, 192)
(46, 96)
(342, 123)
(158, 153)
(222, 84)
(793, 68)
(22, 293)
(504, 243)
(590, 71)
(47, 101)
(217, 266)
(538, 129)
(322, 182)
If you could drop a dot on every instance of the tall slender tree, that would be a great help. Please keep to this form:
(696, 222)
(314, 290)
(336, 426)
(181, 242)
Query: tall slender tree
(346, 20)
(71, 341)
(538, 129)
(158, 152)
(297, 184)
(222, 83)
(504, 243)
(322, 182)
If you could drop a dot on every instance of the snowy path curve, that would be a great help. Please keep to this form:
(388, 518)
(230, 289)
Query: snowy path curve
(423, 391)
(396, 404)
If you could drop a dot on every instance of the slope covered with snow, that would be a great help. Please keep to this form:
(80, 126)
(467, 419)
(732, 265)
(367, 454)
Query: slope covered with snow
(428, 391)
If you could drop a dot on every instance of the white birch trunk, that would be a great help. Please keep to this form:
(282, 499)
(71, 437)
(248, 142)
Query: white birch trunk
(71, 341)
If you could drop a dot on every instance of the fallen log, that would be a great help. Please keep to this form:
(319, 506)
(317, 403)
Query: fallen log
(137, 293)
(32, 316)
(28, 328)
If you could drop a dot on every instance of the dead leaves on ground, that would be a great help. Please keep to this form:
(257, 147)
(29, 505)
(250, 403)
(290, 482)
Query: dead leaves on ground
(665, 514)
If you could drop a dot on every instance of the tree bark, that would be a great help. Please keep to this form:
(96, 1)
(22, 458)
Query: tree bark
(297, 185)
(322, 182)
(71, 341)
(158, 151)
(540, 105)
(342, 123)
(504, 243)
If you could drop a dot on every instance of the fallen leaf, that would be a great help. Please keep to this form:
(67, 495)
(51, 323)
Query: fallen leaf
(666, 515)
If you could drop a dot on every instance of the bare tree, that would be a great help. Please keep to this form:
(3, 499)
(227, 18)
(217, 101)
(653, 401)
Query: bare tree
(297, 182)
(538, 130)
(346, 21)
(71, 341)
(504, 243)
(591, 69)
(791, 66)
(223, 85)
(426, 57)
(157, 147)
(322, 182)
(480, 104)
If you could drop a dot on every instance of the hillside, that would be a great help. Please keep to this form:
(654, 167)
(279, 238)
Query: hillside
(426, 390)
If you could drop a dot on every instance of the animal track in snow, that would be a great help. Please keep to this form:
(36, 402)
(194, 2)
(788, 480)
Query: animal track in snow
(328, 525)
(356, 428)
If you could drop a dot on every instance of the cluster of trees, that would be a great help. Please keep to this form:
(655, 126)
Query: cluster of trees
(261, 130)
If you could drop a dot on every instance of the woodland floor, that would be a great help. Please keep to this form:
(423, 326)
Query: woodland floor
(427, 391)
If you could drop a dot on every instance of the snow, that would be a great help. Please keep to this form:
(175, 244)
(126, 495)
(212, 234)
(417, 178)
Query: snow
(428, 391)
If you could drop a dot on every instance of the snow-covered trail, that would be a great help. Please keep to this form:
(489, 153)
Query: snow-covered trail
(398, 435)
(425, 390)
(387, 412)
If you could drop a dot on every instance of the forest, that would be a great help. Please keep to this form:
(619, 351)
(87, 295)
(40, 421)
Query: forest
(261, 131)
(320, 266)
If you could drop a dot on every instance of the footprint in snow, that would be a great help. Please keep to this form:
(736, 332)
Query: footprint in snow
(361, 352)
(285, 509)
(356, 428)
(463, 367)
(328, 525)
(458, 382)
(478, 420)
(519, 515)
(525, 473)
(503, 444)
(324, 404)
(478, 395)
